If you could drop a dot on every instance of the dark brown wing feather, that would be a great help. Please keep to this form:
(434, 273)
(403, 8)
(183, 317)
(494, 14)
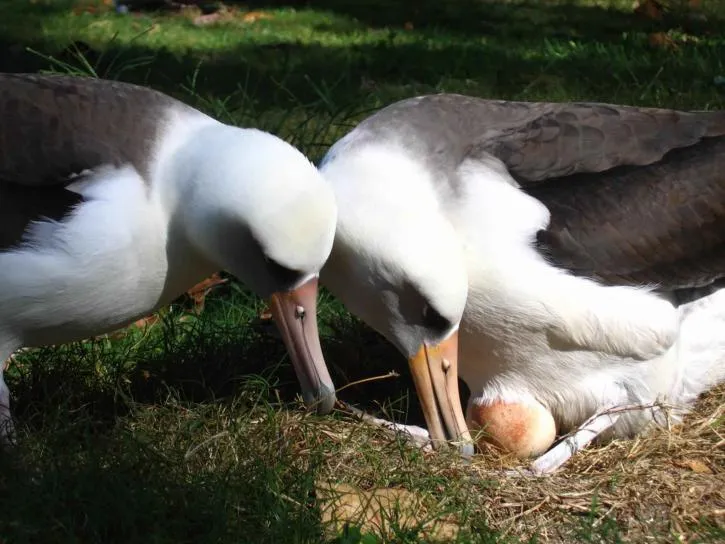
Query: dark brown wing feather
(559, 140)
(20, 205)
(637, 195)
(663, 223)
(53, 126)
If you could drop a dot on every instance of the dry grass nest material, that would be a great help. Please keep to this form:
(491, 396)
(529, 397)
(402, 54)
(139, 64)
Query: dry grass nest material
(666, 482)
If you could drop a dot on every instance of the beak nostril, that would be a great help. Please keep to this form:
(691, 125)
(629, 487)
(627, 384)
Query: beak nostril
(446, 365)
(299, 312)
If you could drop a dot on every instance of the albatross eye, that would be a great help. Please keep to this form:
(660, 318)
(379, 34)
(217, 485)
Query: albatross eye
(433, 320)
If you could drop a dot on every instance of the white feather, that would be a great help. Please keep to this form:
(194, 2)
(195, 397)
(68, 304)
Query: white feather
(135, 244)
(530, 332)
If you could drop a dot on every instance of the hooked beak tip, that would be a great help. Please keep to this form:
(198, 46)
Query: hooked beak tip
(466, 450)
(322, 400)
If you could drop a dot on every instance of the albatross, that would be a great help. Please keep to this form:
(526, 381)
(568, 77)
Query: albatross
(116, 198)
(563, 258)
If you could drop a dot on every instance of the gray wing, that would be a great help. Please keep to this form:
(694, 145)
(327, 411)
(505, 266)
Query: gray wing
(663, 223)
(54, 127)
(637, 195)
(557, 140)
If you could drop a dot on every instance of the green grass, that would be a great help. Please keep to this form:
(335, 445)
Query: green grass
(192, 431)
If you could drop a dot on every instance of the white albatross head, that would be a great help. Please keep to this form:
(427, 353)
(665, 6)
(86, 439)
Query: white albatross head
(398, 265)
(257, 207)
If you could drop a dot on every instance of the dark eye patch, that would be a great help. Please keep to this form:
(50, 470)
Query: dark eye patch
(433, 320)
(281, 275)
(278, 277)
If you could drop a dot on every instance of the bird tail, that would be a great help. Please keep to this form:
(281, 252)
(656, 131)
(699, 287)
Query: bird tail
(700, 348)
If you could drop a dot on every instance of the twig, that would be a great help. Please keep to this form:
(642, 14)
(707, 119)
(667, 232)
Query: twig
(391, 374)
(521, 514)
(196, 448)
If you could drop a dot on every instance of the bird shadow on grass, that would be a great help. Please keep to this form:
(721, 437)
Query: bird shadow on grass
(121, 488)
(99, 466)
(210, 358)
(110, 429)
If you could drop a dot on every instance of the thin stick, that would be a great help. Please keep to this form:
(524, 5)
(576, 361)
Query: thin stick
(391, 374)
(191, 451)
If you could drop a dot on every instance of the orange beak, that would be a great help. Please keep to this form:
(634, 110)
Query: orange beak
(295, 313)
(435, 373)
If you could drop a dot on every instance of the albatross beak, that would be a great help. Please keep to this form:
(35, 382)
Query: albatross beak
(295, 313)
(435, 373)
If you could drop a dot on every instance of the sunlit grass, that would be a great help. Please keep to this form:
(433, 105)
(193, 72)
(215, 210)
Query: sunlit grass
(369, 53)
